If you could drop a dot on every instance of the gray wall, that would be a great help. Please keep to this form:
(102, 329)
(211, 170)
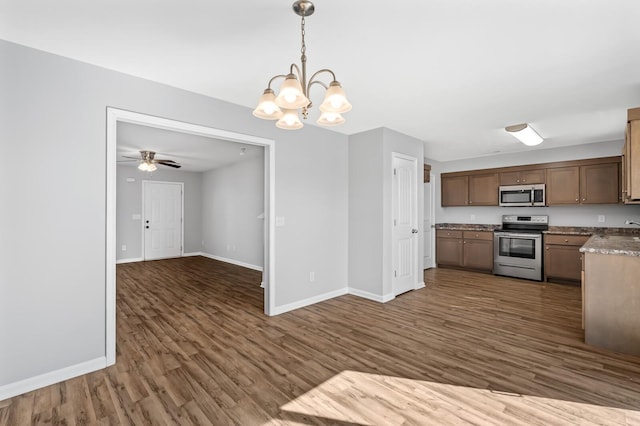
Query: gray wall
(52, 250)
(232, 200)
(365, 212)
(370, 207)
(129, 202)
(615, 215)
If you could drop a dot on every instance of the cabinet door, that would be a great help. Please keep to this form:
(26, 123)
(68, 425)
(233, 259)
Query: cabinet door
(599, 184)
(563, 185)
(633, 151)
(478, 254)
(454, 190)
(483, 189)
(510, 178)
(449, 251)
(562, 262)
(532, 176)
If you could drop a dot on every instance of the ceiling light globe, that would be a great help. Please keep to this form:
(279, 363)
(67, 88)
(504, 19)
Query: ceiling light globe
(335, 100)
(289, 120)
(291, 95)
(143, 167)
(152, 167)
(267, 108)
(330, 119)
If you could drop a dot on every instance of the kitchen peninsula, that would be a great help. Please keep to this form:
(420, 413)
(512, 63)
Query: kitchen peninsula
(611, 291)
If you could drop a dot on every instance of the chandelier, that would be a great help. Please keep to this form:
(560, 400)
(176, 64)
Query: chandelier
(294, 91)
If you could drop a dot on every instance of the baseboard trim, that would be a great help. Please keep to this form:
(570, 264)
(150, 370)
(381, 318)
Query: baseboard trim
(310, 301)
(419, 286)
(195, 253)
(371, 296)
(46, 379)
(130, 260)
(232, 261)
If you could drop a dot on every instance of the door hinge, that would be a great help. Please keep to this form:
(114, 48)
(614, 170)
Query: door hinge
(395, 222)
(395, 274)
(395, 171)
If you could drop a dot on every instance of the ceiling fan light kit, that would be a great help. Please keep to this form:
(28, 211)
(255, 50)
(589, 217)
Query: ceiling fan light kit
(525, 134)
(294, 91)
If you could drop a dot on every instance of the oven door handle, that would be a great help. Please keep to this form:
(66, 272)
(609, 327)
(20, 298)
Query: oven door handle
(516, 235)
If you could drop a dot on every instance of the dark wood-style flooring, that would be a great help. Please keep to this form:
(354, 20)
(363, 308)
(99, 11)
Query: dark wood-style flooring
(194, 347)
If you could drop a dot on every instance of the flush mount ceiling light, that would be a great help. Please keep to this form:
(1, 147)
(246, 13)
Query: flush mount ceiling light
(525, 134)
(294, 91)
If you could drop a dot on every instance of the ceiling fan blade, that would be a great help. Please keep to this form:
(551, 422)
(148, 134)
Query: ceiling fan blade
(175, 166)
(126, 161)
(133, 158)
(164, 161)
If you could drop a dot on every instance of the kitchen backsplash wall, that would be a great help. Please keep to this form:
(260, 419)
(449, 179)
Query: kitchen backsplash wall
(581, 215)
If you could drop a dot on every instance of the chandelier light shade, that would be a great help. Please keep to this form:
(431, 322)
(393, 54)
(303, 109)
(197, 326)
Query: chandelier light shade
(267, 108)
(294, 91)
(525, 134)
(330, 119)
(289, 120)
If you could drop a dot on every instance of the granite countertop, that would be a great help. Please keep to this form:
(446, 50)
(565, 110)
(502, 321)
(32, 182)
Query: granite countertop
(583, 230)
(562, 230)
(467, 227)
(626, 245)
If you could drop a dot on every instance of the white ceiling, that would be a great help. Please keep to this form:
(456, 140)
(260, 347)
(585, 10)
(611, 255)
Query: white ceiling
(194, 153)
(451, 73)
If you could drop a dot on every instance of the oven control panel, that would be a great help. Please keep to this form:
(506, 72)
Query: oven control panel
(533, 219)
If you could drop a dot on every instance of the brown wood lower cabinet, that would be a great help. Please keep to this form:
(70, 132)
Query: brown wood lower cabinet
(465, 249)
(562, 258)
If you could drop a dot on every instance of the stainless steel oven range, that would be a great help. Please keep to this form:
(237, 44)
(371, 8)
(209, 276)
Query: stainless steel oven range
(517, 247)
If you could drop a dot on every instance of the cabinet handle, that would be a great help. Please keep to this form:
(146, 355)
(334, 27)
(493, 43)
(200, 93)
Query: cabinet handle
(584, 199)
(566, 241)
(577, 199)
(547, 248)
(518, 181)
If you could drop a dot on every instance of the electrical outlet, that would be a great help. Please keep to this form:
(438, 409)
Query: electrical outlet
(601, 218)
(312, 277)
(472, 217)
(124, 248)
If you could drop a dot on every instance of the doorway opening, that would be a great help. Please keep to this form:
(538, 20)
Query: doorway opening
(115, 116)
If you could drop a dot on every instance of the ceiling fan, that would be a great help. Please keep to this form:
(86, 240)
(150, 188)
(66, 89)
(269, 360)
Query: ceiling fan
(148, 161)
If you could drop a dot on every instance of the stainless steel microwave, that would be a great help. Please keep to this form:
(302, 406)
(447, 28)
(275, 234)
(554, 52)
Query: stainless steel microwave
(522, 195)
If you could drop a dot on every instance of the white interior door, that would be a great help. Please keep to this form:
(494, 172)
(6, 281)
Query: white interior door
(405, 226)
(427, 226)
(162, 233)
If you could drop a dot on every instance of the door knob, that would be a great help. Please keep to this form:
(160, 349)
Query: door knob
(414, 231)
(147, 226)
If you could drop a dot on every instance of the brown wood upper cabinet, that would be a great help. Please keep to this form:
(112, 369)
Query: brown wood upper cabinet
(522, 177)
(470, 190)
(584, 184)
(631, 159)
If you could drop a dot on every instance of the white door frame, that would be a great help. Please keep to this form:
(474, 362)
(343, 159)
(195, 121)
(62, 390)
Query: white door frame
(144, 235)
(115, 115)
(432, 213)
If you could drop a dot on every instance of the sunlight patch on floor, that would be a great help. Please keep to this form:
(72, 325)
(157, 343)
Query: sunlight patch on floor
(368, 399)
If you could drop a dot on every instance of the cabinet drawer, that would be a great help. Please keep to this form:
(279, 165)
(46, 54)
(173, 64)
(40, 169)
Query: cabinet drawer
(566, 240)
(477, 235)
(446, 233)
